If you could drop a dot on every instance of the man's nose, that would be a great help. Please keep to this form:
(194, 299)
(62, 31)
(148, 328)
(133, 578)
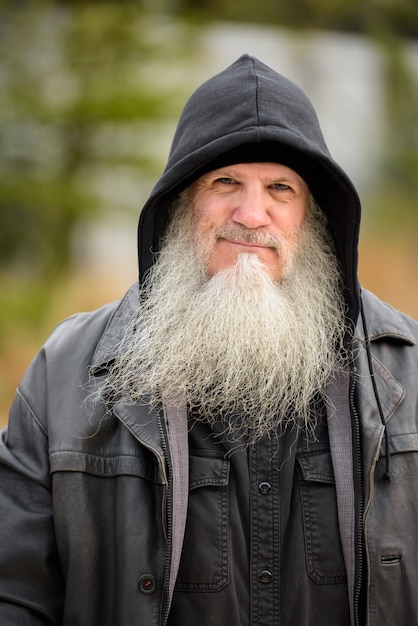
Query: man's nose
(252, 208)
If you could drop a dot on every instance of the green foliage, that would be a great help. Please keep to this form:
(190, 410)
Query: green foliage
(393, 204)
(80, 99)
(362, 16)
(68, 79)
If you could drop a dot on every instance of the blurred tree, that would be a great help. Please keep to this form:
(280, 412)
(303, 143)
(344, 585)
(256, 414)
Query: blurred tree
(394, 201)
(80, 100)
(339, 15)
(65, 77)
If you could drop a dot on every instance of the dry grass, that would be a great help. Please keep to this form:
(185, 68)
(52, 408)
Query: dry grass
(390, 270)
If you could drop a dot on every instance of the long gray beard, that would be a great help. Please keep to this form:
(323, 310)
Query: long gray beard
(238, 348)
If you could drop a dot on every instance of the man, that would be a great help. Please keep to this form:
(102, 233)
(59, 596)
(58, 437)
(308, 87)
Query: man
(235, 442)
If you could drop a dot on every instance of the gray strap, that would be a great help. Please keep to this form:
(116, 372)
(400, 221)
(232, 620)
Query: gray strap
(177, 428)
(340, 437)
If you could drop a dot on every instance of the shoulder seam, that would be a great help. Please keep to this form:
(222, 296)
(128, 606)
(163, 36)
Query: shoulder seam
(29, 408)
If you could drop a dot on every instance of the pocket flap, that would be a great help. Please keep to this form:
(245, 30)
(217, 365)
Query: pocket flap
(142, 466)
(208, 471)
(317, 467)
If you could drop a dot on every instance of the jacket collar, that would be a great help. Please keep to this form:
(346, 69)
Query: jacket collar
(383, 321)
(139, 419)
(114, 332)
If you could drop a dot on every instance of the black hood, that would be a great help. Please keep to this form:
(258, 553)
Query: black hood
(250, 112)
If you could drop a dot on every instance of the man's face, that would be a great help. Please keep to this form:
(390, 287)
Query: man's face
(249, 208)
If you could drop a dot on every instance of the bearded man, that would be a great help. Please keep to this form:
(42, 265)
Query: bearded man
(236, 441)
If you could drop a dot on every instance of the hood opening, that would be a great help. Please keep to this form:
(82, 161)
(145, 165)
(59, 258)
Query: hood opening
(248, 113)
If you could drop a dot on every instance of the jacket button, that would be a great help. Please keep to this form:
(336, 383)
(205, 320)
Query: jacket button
(147, 583)
(264, 488)
(265, 576)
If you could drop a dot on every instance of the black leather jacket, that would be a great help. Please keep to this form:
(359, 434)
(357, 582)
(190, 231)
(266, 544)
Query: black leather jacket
(85, 497)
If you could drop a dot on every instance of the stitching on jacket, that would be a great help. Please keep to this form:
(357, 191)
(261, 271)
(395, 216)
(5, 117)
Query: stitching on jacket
(26, 403)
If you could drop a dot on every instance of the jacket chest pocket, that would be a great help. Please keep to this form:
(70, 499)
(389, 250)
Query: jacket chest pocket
(204, 561)
(324, 556)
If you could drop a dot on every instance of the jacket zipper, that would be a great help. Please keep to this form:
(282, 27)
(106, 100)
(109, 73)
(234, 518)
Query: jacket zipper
(169, 517)
(164, 596)
(357, 467)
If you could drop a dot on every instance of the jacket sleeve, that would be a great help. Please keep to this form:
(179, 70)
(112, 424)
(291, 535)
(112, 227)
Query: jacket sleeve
(31, 582)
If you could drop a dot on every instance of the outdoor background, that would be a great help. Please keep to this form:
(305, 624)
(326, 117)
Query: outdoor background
(90, 93)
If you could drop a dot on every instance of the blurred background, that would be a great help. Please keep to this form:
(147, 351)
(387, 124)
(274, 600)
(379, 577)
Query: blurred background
(90, 93)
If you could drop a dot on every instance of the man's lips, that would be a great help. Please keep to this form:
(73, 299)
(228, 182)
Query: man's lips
(248, 238)
(246, 244)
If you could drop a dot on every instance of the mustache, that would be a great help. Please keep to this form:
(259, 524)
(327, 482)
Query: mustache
(248, 235)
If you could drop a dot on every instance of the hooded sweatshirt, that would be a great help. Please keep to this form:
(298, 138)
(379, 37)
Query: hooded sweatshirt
(248, 113)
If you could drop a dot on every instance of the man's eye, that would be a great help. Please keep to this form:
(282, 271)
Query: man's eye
(281, 186)
(224, 180)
